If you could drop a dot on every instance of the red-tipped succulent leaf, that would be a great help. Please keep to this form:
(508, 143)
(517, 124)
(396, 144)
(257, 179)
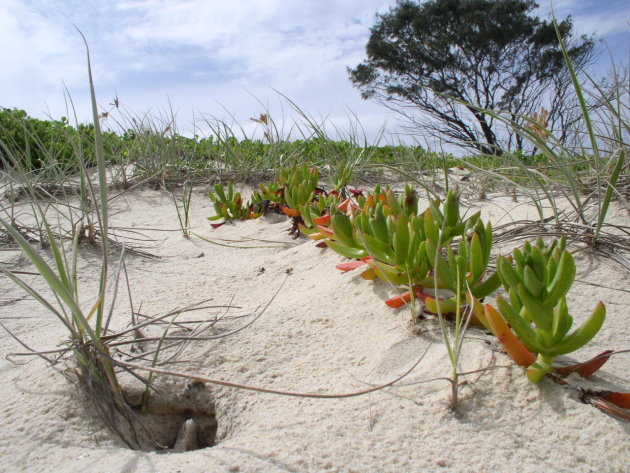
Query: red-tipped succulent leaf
(513, 346)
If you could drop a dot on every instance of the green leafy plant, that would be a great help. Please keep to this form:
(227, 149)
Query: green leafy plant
(298, 184)
(317, 213)
(537, 280)
(228, 204)
(404, 248)
(269, 197)
(465, 268)
(294, 189)
(342, 177)
(49, 146)
(372, 227)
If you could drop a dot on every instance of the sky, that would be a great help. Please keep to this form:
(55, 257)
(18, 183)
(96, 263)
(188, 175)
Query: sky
(231, 61)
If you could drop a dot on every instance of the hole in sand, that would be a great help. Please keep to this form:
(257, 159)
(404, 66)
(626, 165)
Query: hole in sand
(173, 423)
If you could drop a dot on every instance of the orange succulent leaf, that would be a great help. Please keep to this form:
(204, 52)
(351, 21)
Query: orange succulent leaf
(418, 292)
(513, 346)
(400, 300)
(405, 297)
(323, 220)
(350, 265)
(325, 231)
(290, 212)
(343, 207)
(586, 369)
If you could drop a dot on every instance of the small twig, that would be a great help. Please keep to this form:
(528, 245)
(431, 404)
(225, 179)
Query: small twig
(41, 354)
(229, 384)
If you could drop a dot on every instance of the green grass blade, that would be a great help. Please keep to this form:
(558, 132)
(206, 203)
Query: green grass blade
(102, 213)
(38, 297)
(610, 191)
(55, 283)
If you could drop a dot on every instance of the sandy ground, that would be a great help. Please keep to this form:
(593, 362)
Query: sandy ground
(324, 332)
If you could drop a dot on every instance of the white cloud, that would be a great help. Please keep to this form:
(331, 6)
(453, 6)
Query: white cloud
(600, 17)
(33, 48)
(147, 50)
(202, 52)
(257, 39)
(603, 24)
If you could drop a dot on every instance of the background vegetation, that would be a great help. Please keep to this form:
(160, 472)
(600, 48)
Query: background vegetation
(442, 63)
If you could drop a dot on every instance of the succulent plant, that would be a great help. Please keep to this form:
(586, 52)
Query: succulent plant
(537, 280)
(299, 185)
(228, 204)
(342, 177)
(404, 248)
(268, 197)
(465, 268)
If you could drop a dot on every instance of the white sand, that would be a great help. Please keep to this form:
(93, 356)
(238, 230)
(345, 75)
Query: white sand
(325, 332)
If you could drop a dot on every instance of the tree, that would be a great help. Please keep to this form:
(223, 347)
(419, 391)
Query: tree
(451, 58)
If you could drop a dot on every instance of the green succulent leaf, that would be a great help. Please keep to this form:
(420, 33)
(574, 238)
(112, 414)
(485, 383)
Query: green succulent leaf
(522, 329)
(583, 334)
(542, 317)
(347, 251)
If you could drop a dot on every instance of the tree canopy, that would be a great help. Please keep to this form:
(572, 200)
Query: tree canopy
(484, 54)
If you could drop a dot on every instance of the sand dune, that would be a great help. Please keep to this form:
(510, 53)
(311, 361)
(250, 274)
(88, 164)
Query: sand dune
(324, 332)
